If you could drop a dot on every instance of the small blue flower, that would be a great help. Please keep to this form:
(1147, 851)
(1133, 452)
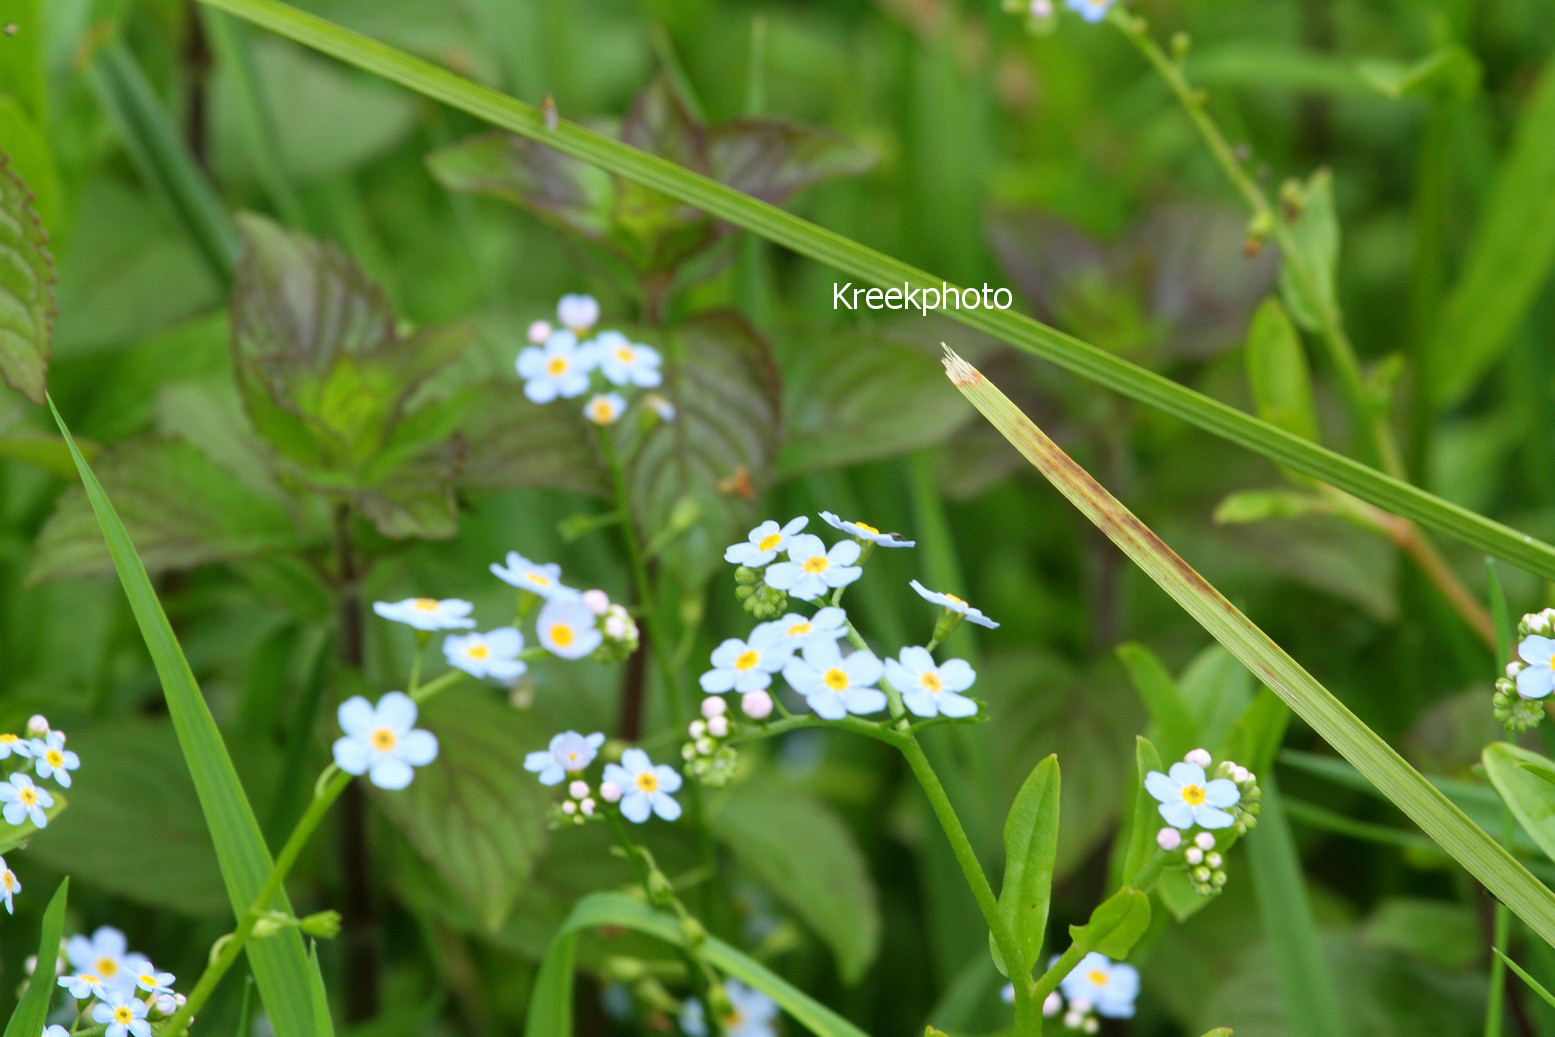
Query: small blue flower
(828, 624)
(748, 665)
(25, 801)
(493, 654)
(645, 788)
(624, 362)
(1537, 680)
(124, 1013)
(85, 985)
(834, 685)
(751, 1013)
(147, 977)
(56, 1031)
(605, 408)
(954, 604)
(101, 955)
(382, 741)
(812, 570)
(9, 887)
(864, 531)
(763, 543)
(560, 368)
(1187, 798)
(661, 406)
(14, 745)
(428, 613)
(569, 753)
(544, 580)
(577, 313)
(928, 690)
(1108, 986)
(52, 759)
(568, 629)
(1091, 10)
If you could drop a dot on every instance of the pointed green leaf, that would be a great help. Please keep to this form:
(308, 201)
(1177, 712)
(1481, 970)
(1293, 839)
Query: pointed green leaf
(26, 288)
(1316, 238)
(1030, 850)
(280, 963)
(1115, 926)
(1146, 820)
(1277, 369)
(32, 1012)
(1526, 782)
(1176, 729)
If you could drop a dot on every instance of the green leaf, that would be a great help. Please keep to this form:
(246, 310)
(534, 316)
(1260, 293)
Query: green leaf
(1248, 506)
(1115, 926)
(12, 836)
(287, 981)
(32, 1012)
(1522, 974)
(1176, 729)
(863, 398)
(823, 878)
(550, 1012)
(1484, 857)
(1277, 370)
(217, 517)
(872, 267)
(715, 460)
(1030, 851)
(1315, 237)
(132, 764)
(511, 443)
(1526, 782)
(465, 815)
(1219, 1031)
(1509, 257)
(1448, 71)
(26, 288)
(1145, 821)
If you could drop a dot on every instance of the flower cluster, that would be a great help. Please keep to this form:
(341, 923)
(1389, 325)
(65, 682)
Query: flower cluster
(1097, 988)
(1195, 806)
(636, 787)
(119, 990)
(564, 362)
(708, 755)
(22, 800)
(1530, 678)
(779, 564)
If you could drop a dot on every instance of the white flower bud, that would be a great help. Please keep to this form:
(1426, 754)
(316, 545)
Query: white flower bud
(610, 792)
(1194, 855)
(698, 728)
(1052, 1005)
(1513, 669)
(1212, 859)
(1204, 841)
(38, 725)
(587, 806)
(578, 789)
(619, 625)
(1241, 775)
(30, 965)
(705, 746)
(718, 727)
(597, 601)
(167, 1004)
(1168, 839)
(1041, 9)
(1073, 1019)
(1080, 1006)
(1092, 1025)
(756, 704)
(569, 808)
(539, 331)
(1202, 874)
(1198, 756)
(713, 706)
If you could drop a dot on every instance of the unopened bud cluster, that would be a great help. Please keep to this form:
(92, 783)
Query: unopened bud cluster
(1200, 848)
(579, 807)
(708, 755)
(756, 597)
(1521, 692)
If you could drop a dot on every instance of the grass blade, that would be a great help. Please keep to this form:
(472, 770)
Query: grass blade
(1522, 974)
(876, 268)
(1449, 827)
(288, 982)
(32, 1012)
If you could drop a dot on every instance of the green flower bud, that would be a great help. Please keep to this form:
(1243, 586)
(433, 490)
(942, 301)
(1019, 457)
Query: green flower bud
(324, 925)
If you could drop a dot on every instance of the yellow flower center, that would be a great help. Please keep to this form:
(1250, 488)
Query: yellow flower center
(625, 354)
(383, 739)
(1098, 977)
(955, 600)
(746, 659)
(1193, 795)
(480, 652)
(27, 797)
(648, 782)
(55, 758)
(9, 739)
(601, 410)
(769, 541)
(866, 527)
(799, 630)
(557, 366)
(817, 564)
(836, 680)
(107, 968)
(148, 980)
(8, 879)
(89, 979)
(733, 1020)
(562, 635)
(538, 579)
(426, 604)
(932, 682)
(122, 1014)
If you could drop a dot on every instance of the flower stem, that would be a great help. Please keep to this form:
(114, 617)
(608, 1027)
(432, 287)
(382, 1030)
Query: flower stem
(1143, 880)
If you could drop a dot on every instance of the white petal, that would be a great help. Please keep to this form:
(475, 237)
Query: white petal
(418, 748)
(390, 773)
(397, 712)
(356, 716)
(352, 755)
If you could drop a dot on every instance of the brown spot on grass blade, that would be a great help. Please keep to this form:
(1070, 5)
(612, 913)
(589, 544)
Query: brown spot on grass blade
(1448, 826)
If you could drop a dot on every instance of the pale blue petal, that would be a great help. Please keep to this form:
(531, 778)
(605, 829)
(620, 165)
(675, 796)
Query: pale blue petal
(418, 748)
(635, 807)
(665, 806)
(1178, 814)
(1185, 773)
(862, 667)
(1162, 787)
(1222, 792)
(783, 575)
(716, 682)
(669, 780)
(957, 706)
(1536, 682)
(352, 755)
(1536, 649)
(864, 701)
(390, 773)
(957, 675)
(635, 761)
(919, 702)
(397, 712)
(827, 705)
(356, 716)
(1212, 817)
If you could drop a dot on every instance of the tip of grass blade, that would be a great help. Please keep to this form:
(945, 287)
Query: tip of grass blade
(961, 373)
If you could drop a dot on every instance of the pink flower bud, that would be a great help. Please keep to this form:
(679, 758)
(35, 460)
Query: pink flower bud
(756, 704)
(1199, 756)
(1052, 1004)
(587, 806)
(597, 601)
(569, 808)
(38, 725)
(718, 727)
(1204, 841)
(1168, 839)
(610, 792)
(578, 789)
(1194, 855)
(539, 331)
(713, 706)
